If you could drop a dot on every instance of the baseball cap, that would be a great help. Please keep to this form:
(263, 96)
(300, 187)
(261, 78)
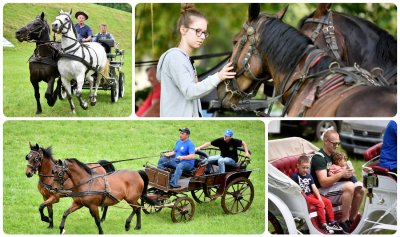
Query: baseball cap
(228, 133)
(185, 130)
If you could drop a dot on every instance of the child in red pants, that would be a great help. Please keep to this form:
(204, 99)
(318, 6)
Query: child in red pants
(307, 185)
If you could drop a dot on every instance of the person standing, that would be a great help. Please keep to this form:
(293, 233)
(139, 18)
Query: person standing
(388, 157)
(84, 32)
(180, 89)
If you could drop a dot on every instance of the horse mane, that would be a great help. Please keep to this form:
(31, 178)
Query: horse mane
(283, 44)
(80, 164)
(48, 153)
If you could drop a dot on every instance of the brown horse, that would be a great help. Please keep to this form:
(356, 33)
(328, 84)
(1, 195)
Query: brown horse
(307, 80)
(91, 189)
(351, 39)
(40, 160)
(43, 62)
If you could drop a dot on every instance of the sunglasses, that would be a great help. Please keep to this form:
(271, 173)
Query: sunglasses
(199, 32)
(334, 143)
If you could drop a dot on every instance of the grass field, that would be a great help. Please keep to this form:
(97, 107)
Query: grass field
(18, 93)
(115, 140)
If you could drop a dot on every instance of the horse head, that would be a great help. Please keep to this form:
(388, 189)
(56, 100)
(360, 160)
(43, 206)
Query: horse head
(248, 61)
(34, 158)
(36, 30)
(63, 23)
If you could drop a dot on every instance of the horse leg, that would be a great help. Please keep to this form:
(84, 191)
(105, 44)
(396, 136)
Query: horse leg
(79, 84)
(103, 216)
(49, 93)
(35, 85)
(75, 206)
(94, 211)
(97, 83)
(135, 210)
(67, 87)
(92, 99)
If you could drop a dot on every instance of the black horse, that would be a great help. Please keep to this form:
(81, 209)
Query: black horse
(43, 62)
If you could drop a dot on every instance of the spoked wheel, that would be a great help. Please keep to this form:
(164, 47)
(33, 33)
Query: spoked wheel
(274, 227)
(183, 210)
(203, 195)
(121, 84)
(238, 196)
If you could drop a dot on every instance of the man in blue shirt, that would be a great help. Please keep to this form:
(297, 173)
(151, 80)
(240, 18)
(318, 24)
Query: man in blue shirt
(388, 158)
(183, 160)
(84, 32)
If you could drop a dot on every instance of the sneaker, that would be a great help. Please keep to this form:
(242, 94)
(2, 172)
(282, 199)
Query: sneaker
(336, 228)
(346, 225)
(327, 229)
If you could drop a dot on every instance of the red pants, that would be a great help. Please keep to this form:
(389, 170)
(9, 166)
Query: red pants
(313, 201)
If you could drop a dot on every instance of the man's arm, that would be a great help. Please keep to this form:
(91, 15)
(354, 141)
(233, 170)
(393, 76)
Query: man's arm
(203, 146)
(188, 157)
(325, 180)
(246, 150)
(154, 110)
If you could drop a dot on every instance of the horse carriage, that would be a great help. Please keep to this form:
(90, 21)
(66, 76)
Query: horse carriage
(288, 211)
(116, 78)
(97, 185)
(234, 187)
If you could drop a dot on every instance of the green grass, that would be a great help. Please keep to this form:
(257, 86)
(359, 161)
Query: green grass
(90, 141)
(18, 93)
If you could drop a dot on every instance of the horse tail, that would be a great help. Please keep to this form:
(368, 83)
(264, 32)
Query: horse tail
(106, 69)
(108, 166)
(144, 192)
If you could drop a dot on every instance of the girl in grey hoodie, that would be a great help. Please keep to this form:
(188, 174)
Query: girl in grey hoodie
(180, 89)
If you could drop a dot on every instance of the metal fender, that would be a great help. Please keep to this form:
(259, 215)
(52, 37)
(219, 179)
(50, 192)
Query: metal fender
(287, 215)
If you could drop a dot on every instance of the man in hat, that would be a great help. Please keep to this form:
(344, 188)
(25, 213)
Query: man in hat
(181, 158)
(84, 31)
(228, 147)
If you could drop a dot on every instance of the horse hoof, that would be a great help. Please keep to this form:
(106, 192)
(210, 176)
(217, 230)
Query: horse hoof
(46, 219)
(84, 105)
(127, 227)
(138, 228)
(92, 103)
(73, 111)
(38, 112)
(63, 232)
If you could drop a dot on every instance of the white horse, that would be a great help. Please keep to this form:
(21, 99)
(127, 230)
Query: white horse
(79, 61)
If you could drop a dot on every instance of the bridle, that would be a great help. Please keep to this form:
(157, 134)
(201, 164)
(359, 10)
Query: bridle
(231, 86)
(37, 159)
(326, 26)
(42, 27)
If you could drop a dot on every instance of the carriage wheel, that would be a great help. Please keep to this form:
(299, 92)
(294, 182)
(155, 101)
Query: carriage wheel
(150, 209)
(203, 195)
(274, 227)
(121, 84)
(183, 210)
(238, 196)
(114, 92)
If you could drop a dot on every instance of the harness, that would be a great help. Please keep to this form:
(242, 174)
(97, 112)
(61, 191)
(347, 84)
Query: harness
(69, 193)
(71, 50)
(326, 25)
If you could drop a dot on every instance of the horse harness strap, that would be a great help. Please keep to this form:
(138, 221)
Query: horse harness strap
(328, 31)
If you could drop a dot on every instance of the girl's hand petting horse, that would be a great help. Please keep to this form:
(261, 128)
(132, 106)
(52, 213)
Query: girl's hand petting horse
(226, 72)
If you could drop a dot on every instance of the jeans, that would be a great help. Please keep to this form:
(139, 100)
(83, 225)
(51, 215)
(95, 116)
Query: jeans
(180, 167)
(221, 161)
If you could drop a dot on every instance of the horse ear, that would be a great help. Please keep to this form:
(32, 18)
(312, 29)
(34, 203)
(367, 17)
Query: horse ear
(37, 146)
(59, 162)
(70, 11)
(30, 145)
(254, 11)
(322, 9)
(42, 16)
(282, 13)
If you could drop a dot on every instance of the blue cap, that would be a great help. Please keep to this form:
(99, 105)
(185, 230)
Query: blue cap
(228, 133)
(185, 130)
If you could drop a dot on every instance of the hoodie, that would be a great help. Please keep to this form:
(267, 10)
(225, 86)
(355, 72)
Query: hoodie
(180, 91)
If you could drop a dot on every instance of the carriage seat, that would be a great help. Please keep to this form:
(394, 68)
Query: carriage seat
(288, 166)
(371, 153)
